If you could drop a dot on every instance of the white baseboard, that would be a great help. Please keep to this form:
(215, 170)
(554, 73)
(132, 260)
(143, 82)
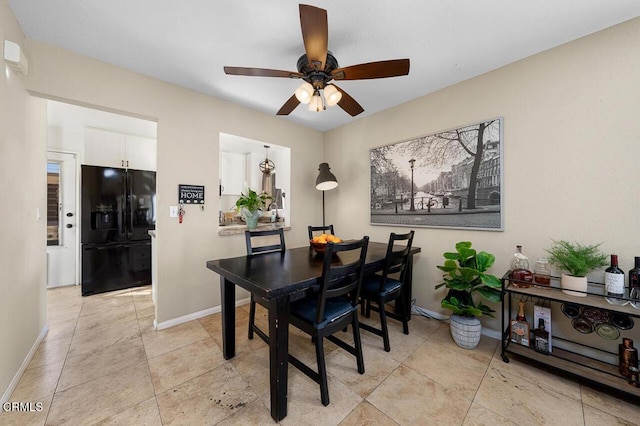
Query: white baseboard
(23, 367)
(195, 315)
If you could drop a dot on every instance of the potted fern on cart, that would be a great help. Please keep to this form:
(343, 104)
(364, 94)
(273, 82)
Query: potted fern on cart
(576, 261)
(465, 274)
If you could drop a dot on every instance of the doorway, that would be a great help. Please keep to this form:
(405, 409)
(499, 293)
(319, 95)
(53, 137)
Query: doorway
(62, 235)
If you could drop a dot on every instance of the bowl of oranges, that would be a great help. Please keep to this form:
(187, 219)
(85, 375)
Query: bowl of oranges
(319, 243)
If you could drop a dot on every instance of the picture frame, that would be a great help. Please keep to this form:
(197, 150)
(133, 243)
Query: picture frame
(441, 180)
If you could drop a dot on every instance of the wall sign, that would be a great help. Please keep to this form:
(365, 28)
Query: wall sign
(191, 194)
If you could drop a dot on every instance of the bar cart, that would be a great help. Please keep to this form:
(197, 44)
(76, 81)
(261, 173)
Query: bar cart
(584, 362)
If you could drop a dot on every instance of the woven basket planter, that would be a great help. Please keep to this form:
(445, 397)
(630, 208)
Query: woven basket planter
(465, 331)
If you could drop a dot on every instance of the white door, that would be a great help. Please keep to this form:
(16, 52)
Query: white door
(62, 234)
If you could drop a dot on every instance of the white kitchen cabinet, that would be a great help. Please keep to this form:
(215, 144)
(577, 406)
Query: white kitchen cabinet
(111, 149)
(233, 173)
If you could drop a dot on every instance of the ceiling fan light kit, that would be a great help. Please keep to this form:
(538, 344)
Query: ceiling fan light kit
(318, 67)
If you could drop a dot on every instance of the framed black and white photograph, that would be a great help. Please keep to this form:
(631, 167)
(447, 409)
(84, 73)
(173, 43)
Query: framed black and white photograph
(450, 179)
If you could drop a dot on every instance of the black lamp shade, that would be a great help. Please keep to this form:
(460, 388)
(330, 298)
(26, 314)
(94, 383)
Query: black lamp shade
(325, 180)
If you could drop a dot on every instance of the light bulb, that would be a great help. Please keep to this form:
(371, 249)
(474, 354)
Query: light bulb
(316, 103)
(332, 95)
(304, 93)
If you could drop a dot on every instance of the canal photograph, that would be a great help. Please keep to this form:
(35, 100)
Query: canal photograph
(450, 179)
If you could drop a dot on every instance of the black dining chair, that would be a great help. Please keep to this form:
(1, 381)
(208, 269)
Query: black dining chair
(253, 250)
(332, 308)
(380, 288)
(313, 229)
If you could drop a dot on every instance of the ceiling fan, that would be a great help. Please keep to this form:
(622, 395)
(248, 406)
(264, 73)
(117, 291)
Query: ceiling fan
(318, 67)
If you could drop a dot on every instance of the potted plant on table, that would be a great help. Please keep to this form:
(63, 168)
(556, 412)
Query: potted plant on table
(465, 274)
(577, 260)
(250, 206)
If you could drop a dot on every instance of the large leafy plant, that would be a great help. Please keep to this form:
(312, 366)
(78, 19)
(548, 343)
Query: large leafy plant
(575, 258)
(252, 201)
(465, 274)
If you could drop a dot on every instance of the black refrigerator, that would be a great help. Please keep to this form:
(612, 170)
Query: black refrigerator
(118, 210)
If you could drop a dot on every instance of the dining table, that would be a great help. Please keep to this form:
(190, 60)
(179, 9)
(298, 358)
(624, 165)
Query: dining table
(275, 280)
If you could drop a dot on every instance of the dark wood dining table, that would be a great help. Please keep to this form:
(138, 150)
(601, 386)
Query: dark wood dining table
(277, 279)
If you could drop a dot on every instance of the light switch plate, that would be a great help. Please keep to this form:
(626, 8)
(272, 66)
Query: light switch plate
(173, 211)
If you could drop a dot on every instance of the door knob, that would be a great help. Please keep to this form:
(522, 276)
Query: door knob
(69, 214)
(69, 225)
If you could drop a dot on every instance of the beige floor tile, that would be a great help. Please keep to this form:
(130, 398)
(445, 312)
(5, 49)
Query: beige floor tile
(36, 414)
(213, 323)
(243, 344)
(366, 414)
(99, 399)
(305, 406)
(410, 398)
(98, 316)
(254, 413)
(543, 379)
(483, 352)
(92, 365)
(402, 345)
(594, 417)
(183, 364)
(64, 313)
(480, 416)
(103, 337)
(51, 351)
(447, 367)
(378, 366)
(610, 404)
(144, 414)
(158, 342)
(61, 329)
(423, 326)
(254, 369)
(207, 399)
(38, 382)
(526, 403)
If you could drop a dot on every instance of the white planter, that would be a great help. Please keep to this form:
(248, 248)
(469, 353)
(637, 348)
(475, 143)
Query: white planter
(465, 331)
(574, 286)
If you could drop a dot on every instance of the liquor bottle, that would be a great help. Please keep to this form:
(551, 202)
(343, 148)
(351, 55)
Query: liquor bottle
(628, 356)
(521, 276)
(614, 283)
(634, 284)
(542, 273)
(541, 338)
(520, 327)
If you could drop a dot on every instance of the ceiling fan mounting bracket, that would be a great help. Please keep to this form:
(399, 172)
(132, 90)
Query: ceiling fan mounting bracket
(316, 77)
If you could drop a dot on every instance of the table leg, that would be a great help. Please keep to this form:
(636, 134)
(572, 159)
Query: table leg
(278, 356)
(228, 296)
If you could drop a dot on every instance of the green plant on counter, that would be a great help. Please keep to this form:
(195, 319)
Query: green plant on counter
(577, 259)
(252, 201)
(464, 275)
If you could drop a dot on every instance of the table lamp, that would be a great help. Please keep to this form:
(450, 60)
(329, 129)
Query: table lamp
(324, 182)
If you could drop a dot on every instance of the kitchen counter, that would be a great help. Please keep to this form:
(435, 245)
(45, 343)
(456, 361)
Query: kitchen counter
(239, 229)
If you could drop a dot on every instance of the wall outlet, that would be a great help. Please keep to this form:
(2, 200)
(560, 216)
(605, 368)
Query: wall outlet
(173, 211)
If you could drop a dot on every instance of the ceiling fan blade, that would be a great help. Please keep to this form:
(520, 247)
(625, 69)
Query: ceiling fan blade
(261, 72)
(289, 106)
(349, 104)
(380, 69)
(315, 35)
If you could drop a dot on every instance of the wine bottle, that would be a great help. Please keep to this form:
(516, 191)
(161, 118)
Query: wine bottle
(614, 283)
(541, 337)
(634, 284)
(520, 327)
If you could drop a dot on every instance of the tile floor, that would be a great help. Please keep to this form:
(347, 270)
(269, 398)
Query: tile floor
(102, 363)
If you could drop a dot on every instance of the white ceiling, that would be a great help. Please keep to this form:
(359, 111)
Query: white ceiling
(188, 42)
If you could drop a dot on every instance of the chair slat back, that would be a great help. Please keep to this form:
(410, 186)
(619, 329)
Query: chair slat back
(397, 258)
(269, 248)
(338, 278)
(313, 229)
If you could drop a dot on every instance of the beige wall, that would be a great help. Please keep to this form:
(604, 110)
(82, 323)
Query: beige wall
(188, 128)
(571, 150)
(22, 236)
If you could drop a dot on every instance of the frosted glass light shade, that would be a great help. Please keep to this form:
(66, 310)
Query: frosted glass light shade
(304, 92)
(332, 95)
(316, 104)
